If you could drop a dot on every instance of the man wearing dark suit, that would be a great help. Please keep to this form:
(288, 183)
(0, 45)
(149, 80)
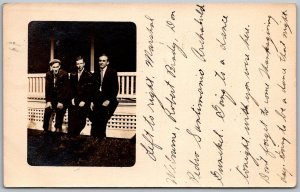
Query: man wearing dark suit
(81, 85)
(56, 95)
(104, 97)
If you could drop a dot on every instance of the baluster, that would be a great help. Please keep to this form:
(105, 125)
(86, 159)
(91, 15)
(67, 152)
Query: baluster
(127, 85)
(119, 80)
(43, 86)
(124, 85)
(29, 85)
(132, 85)
(34, 85)
(121, 85)
(39, 84)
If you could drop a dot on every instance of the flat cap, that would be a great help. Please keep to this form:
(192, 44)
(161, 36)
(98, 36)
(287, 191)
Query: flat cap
(52, 61)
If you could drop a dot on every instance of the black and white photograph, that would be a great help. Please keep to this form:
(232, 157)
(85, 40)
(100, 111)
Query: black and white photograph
(164, 95)
(81, 94)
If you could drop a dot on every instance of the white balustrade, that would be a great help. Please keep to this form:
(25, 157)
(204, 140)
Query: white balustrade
(127, 85)
(36, 83)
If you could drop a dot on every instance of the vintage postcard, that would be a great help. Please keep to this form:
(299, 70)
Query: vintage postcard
(149, 95)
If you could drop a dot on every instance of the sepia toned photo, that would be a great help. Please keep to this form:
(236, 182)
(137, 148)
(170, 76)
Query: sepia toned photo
(81, 93)
(195, 95)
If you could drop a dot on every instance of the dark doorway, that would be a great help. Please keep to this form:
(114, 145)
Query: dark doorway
(71, 39)
(68, 48)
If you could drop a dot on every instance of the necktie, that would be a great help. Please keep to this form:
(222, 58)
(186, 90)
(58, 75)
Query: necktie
(79, 74)
(101, 78)
(54, 80)
(102, 74)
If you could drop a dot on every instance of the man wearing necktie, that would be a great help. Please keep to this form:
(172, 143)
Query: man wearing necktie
(104, 97)
(57, 96)
(81, 86)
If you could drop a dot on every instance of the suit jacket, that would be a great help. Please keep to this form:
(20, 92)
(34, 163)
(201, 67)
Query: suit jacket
(81, 90)
(60, 91)
(110, 88)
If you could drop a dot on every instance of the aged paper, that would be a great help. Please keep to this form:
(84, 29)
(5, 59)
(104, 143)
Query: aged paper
(215, 96)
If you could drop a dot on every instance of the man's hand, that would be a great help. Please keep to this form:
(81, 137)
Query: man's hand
(73, 102)
(92, 106)
(105, 103)
(48, 104)
(81, 104)
(60, 105)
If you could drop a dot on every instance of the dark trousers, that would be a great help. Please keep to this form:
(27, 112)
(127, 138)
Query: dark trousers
(99, 118)
(60, 113)
(77, 118)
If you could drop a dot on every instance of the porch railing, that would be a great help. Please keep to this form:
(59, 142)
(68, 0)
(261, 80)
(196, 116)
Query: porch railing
(127, 85)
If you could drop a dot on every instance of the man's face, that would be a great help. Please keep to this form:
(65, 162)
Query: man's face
(103, 62)
(80, 64)
(55, 68)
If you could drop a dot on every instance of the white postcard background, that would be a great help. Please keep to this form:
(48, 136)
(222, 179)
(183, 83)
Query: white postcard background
(193, 128)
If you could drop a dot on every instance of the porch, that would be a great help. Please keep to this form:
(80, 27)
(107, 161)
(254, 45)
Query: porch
(121, 125)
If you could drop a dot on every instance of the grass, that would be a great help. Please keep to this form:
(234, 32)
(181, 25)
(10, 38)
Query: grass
(59, 150)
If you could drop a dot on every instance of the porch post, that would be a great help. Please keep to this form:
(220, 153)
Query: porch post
(92, 67)
(52, 48)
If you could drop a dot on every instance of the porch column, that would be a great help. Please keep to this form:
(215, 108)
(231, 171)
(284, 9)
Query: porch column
(52, 48)
(92, 67)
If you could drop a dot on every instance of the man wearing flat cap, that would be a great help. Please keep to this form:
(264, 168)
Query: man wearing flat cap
(56, 95)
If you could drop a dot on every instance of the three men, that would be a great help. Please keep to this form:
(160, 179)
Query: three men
(57, 96)
(93, 95)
